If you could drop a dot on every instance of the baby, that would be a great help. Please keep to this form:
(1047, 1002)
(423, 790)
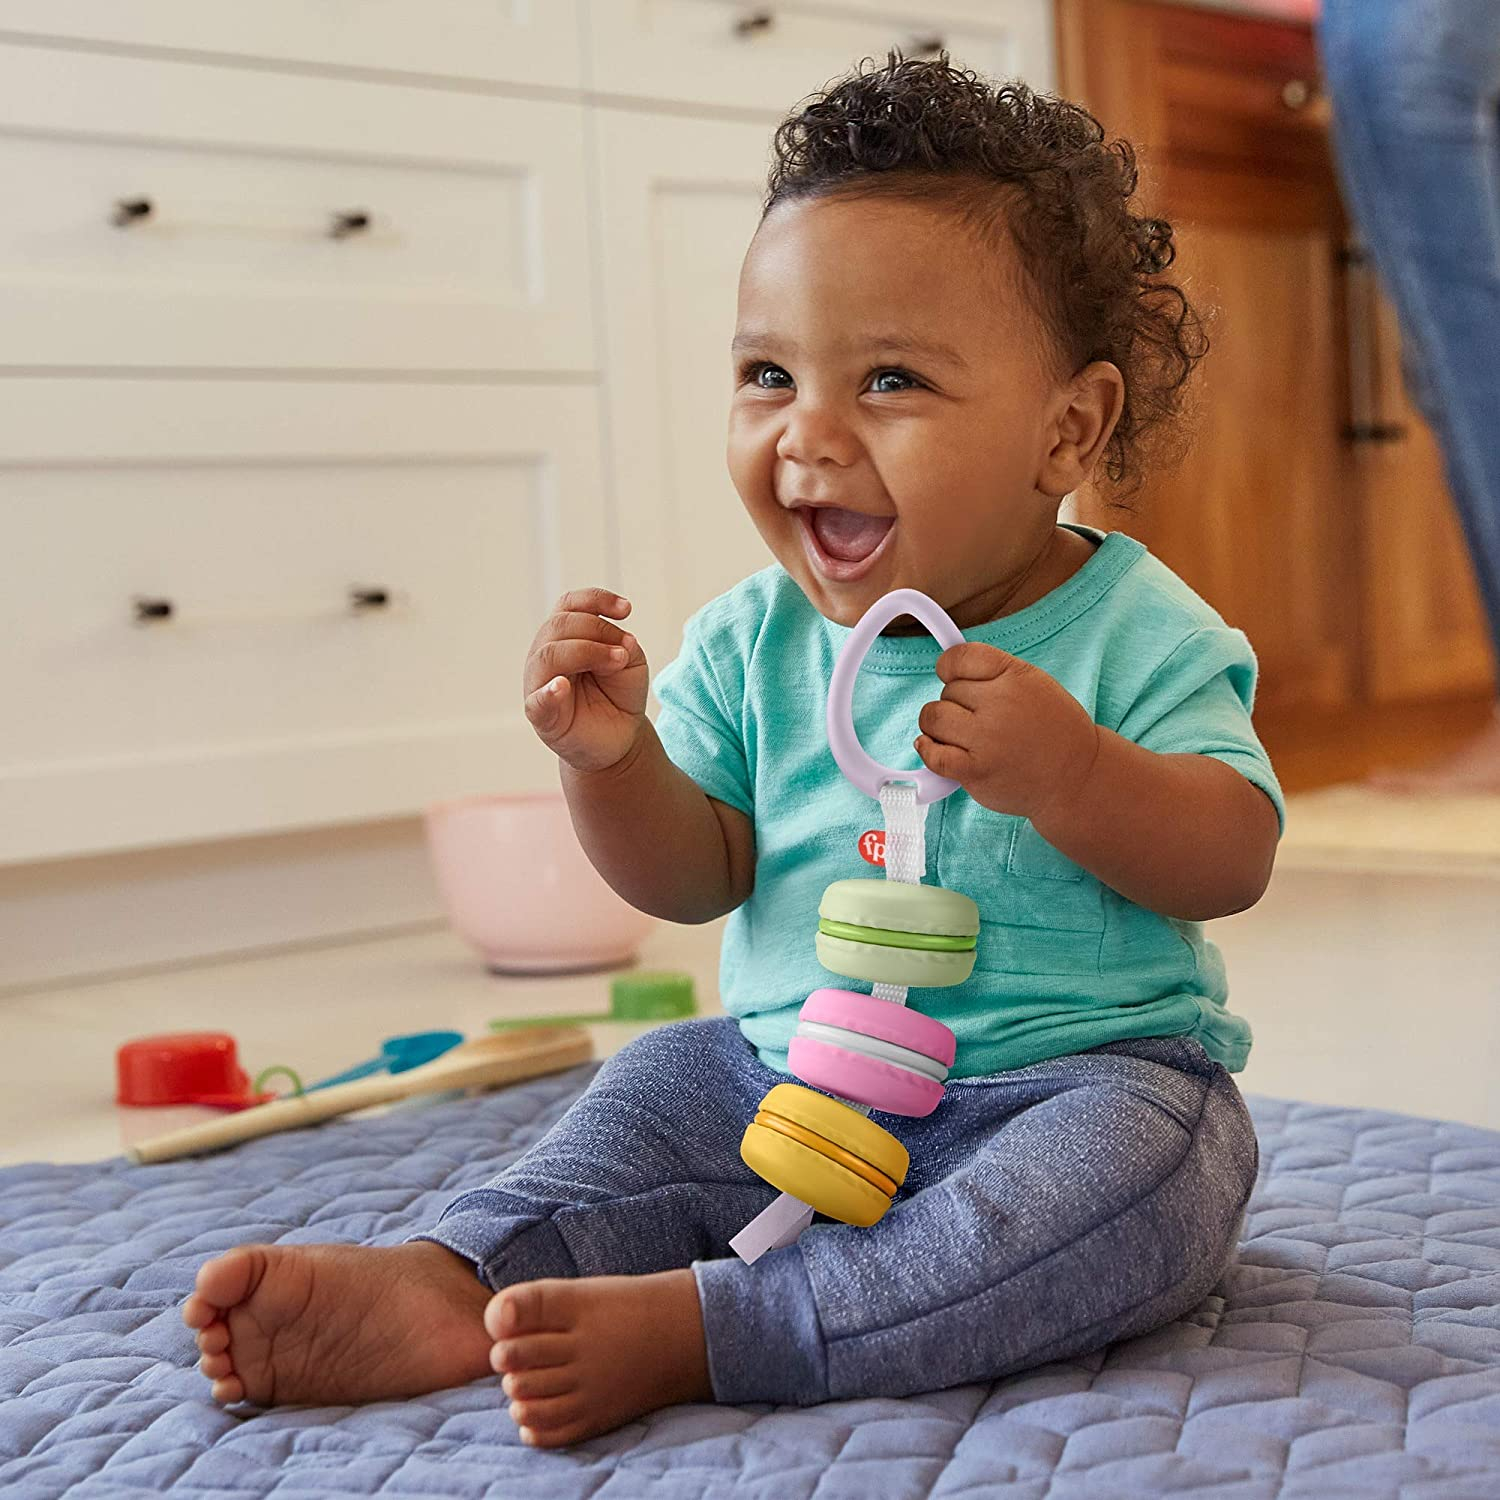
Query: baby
(949, 318)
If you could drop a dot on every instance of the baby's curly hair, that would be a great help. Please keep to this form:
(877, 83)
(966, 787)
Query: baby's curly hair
(925, 130)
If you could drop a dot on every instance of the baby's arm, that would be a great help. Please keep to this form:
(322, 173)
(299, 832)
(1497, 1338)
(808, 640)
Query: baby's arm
(663, 843)
(1183, 835)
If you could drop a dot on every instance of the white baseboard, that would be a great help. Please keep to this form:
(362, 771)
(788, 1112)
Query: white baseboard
(63, 920)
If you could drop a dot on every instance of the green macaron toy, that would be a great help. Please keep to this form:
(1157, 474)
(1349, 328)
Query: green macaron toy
(892, 933)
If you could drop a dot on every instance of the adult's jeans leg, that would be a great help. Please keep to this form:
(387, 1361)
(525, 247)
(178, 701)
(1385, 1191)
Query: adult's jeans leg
(1415, 86)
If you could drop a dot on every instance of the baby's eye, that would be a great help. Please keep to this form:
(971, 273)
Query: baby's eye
(767, 376)
(908, 382)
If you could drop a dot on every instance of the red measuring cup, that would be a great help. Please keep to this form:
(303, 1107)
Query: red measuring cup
(184, 1067)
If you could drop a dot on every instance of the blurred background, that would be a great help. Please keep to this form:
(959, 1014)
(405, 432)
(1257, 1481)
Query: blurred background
(336, 340)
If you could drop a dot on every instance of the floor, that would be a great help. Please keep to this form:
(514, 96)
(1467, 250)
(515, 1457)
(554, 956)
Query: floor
(1372, 989)
(319, 1010)
(1363, 988)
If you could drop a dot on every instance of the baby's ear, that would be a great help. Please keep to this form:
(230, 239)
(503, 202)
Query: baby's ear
(1088, 408)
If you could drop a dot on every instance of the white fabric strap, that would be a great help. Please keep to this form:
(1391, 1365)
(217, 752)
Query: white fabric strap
(905, 853)
(905, 833)
(773, 1228)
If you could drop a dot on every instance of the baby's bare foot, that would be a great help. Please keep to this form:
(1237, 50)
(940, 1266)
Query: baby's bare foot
(334, 1324)
(580, 1357)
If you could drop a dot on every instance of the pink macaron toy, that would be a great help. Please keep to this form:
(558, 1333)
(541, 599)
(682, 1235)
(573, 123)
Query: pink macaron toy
(875, 1053)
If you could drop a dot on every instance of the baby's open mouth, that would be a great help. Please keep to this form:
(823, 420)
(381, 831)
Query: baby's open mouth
(846, 534)
(843, 545)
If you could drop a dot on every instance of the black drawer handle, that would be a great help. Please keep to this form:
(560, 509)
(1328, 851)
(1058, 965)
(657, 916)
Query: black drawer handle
(754, 21)
(149, 611)
(348, 221)
(368, 598)
(928, 44)
(128, 211)
(1375, 432)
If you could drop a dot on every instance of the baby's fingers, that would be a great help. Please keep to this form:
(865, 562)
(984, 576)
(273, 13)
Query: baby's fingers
(571, 656)
(593, 602)
(947, 722)
(943, 760)
(549, 710)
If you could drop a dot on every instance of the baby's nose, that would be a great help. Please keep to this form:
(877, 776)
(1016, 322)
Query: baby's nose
(816, 433)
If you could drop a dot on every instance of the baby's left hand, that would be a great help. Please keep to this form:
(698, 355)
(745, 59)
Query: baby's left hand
(1013, 737)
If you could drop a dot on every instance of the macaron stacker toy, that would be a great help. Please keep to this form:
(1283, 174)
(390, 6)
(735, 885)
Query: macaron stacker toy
(869, 1050)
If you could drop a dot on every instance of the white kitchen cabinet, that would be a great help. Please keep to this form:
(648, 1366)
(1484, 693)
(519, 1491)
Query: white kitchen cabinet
(266, 700)
(503, 41)
(679, 204)
(729, 54)
(507, 375)
(166, 214)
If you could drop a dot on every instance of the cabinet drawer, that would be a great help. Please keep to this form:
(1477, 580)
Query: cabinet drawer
(509, 41)
(473, 255)
(267, 700)
(1242, 95)
(763, 57)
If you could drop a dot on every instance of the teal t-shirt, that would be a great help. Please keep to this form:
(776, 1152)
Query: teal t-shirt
(1064, 962)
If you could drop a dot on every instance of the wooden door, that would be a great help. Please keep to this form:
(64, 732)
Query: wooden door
(1260, 517)
(1339, 556)
(1424, 632)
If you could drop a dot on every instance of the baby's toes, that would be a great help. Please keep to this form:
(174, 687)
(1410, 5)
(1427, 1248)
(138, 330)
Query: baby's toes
(216, 1366)
(229, 1279)
(531, 1307)
(538, 1352)
(199, 1312)
(214, 1339)
(228, 1390)
(550, 1421)
(532, 1385)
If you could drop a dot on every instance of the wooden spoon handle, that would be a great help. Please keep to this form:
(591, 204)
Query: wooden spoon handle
(532, 1055)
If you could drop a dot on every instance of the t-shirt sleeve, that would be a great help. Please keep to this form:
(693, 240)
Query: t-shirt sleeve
(1198, 702)
(700, 717)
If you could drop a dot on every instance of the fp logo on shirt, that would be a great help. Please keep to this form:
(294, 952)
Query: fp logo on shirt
(872, 846)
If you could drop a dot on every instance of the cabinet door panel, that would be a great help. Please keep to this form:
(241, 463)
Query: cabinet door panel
(723, 54)
(679, 207)
(267, 701)
(512, 41)
(473, 257)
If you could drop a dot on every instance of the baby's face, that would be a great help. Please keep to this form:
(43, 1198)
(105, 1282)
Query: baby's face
(892, 407)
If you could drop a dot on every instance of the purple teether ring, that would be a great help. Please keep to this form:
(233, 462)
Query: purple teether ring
(868, 774)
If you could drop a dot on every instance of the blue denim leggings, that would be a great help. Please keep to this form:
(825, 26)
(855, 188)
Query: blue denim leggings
(1415, 86)
(1048, 1211)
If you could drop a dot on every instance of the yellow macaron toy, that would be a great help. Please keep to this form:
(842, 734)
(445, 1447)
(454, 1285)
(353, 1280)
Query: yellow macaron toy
(828, 1155)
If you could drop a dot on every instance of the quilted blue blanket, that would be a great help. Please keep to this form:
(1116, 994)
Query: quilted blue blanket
(1354, 1350)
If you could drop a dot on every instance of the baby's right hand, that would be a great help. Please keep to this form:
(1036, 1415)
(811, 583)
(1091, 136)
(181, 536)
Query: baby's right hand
(585, 681)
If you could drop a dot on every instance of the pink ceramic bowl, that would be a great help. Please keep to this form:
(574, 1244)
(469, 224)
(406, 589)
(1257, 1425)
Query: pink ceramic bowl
(518, 886)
